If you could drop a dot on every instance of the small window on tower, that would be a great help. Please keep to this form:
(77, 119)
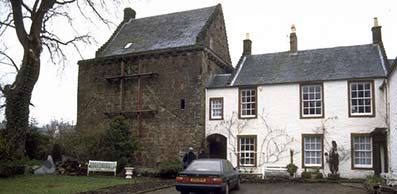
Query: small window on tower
(128, 45)
(182, 103)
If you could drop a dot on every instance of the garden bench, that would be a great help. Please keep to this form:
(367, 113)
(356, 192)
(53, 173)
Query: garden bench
(101, 166)
(273, 167)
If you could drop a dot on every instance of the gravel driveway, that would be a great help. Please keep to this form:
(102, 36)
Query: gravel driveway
(287, 188)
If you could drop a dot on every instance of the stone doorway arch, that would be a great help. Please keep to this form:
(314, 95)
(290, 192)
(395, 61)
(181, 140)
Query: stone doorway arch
(217, 146)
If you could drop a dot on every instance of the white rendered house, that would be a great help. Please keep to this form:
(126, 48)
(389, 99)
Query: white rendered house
(392, 111)
(302, 101)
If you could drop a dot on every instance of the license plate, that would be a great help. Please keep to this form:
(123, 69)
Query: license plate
(198, 180)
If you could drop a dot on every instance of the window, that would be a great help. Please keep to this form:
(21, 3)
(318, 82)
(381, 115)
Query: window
(248, 102)
(312, 101)
(128, 45)
(216, 108)
(312, 150)
(361, 151)
(361, 98)
(247, 151)
(182, 103)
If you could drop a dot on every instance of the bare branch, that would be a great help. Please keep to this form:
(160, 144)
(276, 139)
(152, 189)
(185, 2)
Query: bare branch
(7, 20)
(27, 8)
(8, 24)
(92, 5)
(77, 38)
(65, 2)
(11, 60)
(1, 89)
(36, 3)
(18, 22)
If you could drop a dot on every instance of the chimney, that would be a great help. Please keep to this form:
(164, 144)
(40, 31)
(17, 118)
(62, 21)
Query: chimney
(376, 32)
(247, 48)
(293, 40)
(129, 13)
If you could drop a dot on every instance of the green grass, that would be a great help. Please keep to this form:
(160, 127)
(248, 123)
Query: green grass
(57, 184)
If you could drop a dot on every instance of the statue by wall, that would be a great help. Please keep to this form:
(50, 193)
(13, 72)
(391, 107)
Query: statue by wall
(333, 159)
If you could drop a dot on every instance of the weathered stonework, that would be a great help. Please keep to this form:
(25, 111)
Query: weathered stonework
(181, 75)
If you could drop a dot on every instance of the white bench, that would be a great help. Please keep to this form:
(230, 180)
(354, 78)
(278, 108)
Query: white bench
(273, 167)
(101, 166)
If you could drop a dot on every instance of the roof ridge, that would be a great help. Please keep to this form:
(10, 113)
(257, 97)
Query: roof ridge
(177, 12)
(316, 49)
(113, 44)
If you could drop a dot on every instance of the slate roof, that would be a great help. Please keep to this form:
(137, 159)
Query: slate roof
(338, 63)
(220, 80)
(393, 65)
(158, 32)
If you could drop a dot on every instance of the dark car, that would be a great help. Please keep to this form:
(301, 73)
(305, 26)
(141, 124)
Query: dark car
(208, 175)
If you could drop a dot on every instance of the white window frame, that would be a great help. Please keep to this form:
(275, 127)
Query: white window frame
(320, 150)
(354, 142)
(248, 101)
(311, 93)
(244, 154)
(363, 98)
(216, 107)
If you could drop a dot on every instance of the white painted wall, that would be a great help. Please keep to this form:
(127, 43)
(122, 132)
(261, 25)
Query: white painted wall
(392, 96)
(278, 106)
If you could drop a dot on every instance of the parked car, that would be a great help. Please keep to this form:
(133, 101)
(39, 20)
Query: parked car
(208, 175)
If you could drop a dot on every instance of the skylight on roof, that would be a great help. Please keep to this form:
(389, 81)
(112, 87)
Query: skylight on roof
(128, 45)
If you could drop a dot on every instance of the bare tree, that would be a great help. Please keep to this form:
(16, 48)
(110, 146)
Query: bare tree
(272, 148)
(31, 21)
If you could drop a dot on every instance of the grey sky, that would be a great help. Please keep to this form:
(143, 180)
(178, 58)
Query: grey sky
(319, 24)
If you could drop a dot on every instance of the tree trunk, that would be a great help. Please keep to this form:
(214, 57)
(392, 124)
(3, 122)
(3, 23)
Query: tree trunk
(18, 96)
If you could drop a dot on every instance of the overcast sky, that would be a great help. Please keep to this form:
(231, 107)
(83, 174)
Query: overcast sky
(319, 24)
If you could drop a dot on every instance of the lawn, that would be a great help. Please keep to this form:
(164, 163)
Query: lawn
(57, 184)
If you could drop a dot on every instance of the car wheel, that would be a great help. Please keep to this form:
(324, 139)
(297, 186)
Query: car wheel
(237, 187)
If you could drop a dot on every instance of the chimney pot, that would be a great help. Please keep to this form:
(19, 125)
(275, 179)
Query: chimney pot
(293, 40)
(293, 29)
(247, 45)
(376, 32)
(129, 13)
(376, 22)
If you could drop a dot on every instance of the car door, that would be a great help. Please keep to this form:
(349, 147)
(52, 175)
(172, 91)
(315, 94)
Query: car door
(231, 173)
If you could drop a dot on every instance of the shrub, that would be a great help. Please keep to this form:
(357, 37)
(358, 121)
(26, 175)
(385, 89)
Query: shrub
(56, 153)
(375, 180)
(291, 167)
(3, 152)
(37, 144)
(148, 172)
(11, 168)
(117, 143)
(170, 168)
(313, 173)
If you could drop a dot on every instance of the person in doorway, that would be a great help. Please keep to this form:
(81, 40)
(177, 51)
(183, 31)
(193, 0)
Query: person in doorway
(188, 158)
(201, 153)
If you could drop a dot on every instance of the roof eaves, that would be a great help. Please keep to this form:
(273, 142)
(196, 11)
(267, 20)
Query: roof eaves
(382, 60)
(309, 81)
(393, 67)
(150, 52)
(240, 66)
(115, 33)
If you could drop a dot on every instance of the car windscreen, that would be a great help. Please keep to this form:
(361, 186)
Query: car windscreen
(213, 166)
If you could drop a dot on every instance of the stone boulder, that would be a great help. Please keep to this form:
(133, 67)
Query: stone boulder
(48, 167)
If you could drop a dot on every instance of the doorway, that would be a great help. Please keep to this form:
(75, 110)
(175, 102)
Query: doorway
(217, 146)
